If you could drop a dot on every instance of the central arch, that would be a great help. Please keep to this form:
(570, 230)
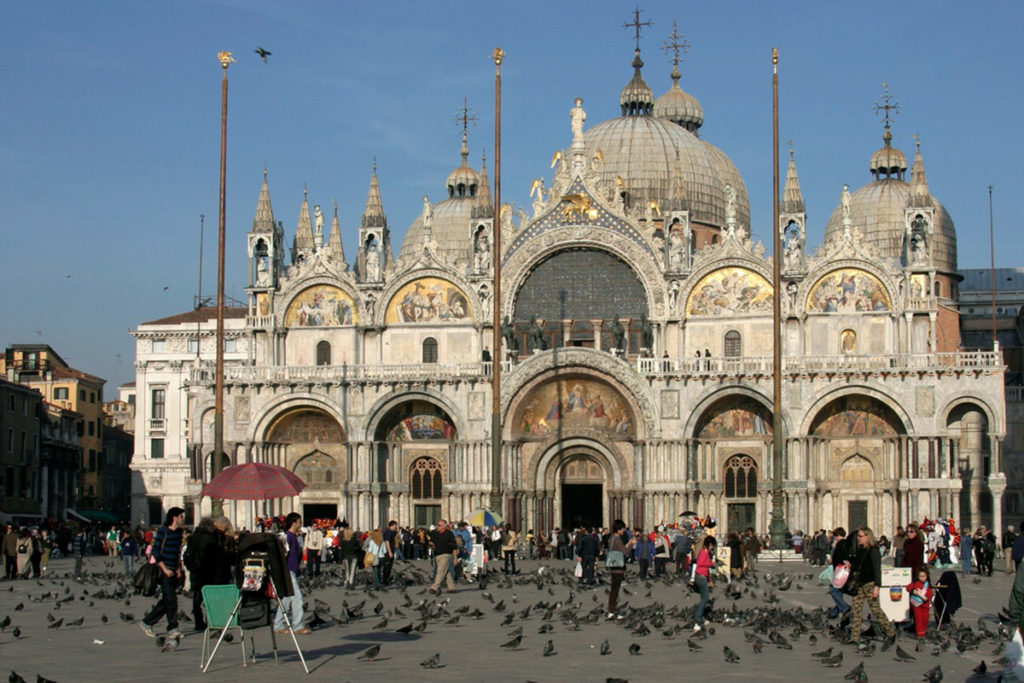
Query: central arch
(579, 474)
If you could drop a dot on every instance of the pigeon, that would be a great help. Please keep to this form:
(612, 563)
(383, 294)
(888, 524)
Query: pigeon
(5, 623)
(857, 673)
(77, 622)
(933, 675)
(405, 629)
(758, 646)
(381, 625)
(904, 656)
(40, 679)
(545, 628)
(103, 618)
(14, 677)
(453, 621)
(371, 652)
(20, 606)
(823, 654)
(549, 648)
(514, 643)
(634, 648)
(693, 646)
(833, 662)
(431, 662)
(56, 625)
(170, 645)
(17, 634)
(730, 656)
(263, 54)
(981, 668)
(606, 648)
(126, 617)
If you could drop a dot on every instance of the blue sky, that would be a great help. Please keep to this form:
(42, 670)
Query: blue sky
(110, 122)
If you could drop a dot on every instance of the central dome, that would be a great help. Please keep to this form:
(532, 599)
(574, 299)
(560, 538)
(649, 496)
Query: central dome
(653, 148)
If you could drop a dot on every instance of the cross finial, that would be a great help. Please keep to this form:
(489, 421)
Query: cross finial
(335, 207)
(465, 117)
(889, 106)
(789, 143)
(305, 190)
(675, 44)
(636, 25)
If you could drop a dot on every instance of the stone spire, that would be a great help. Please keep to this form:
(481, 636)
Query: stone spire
(373, 216)
(486, 203)
(263, 220)
(792, 198)
(304, 231)
(919, 194)
(334, 244)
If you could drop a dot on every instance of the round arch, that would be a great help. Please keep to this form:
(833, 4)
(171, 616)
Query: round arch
(554, 452)
(714, 395)
(975, 402)
(417, 272)
(291, 293)
(270, 413)
(831, 395)
(700, 275)
(382, 407)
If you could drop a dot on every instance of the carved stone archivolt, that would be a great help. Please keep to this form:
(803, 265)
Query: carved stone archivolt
(584, 361)
(518, 267)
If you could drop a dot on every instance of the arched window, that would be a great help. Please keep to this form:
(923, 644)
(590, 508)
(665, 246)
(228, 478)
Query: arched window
(429, 350)
(323, 353)
(733, 344)
(425, 479)
(938, 288)
(740, 477)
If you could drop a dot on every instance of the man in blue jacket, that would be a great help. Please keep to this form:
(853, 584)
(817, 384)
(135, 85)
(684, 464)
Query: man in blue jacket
(588, 550)
(166, 551)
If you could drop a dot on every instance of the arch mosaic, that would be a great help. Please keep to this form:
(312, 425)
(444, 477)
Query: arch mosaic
(732, 290)
(378, 414)
(734, 416)
(591, 363)
(577, 402)
(814, 412)
(703, 406)
(417, 420)
(429, 300)
(856, 416)
(305, 425)
(270, 414)
(848, 290)
(321, 305)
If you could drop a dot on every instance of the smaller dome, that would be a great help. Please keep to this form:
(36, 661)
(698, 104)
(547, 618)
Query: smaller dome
(679, 106)
(888, 162)
(636, 98)
(463, 181)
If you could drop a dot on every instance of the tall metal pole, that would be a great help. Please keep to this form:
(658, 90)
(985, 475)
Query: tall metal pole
(225, 59)
(199, 293)
(498, 55)
(992, 265)
(777, 528)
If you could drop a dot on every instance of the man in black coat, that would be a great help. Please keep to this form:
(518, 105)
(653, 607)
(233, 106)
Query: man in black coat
(588, 550)
(210, 556)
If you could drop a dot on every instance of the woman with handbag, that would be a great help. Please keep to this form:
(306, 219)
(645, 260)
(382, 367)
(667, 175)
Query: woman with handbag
(863, 585)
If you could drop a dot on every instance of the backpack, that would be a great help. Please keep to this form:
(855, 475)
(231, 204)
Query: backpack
(191, 557)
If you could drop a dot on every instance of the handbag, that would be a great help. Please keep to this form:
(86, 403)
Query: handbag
(614, 559)
(148, 576)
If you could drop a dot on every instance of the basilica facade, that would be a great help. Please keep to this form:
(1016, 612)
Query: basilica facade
(636, 361)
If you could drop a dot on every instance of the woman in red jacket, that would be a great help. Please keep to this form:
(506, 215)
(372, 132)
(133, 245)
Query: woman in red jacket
(702, 579)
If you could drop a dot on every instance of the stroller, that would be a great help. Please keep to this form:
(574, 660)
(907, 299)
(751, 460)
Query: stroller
(947, 598)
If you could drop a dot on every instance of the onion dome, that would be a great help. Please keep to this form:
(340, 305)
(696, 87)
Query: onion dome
(450, 218)
(888, 162)
(663, 161)
(636, 98)
(679, 106)
(879, 208)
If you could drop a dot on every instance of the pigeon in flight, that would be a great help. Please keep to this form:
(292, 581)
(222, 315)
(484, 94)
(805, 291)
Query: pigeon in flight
(262, 53)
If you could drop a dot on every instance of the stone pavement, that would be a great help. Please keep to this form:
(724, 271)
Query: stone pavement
(470, 649)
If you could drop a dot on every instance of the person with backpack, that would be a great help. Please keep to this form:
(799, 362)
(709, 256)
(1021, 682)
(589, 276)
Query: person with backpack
(588, 550)
(563, 544)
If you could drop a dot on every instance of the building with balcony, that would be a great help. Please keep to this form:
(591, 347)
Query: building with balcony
(636, 361)
(20, 409)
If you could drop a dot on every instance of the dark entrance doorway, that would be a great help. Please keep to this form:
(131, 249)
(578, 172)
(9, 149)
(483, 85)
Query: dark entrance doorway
(426, 515)
(311, 511)
(857, 514)
(581, 505)
(741, 516)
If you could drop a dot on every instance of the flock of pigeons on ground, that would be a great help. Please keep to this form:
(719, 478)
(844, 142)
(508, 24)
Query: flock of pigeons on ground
(534, 607)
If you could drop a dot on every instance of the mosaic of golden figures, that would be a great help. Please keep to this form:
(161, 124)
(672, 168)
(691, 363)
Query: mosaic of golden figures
(569, 403)
(306, 426)
(321, 306)
(856, 416)
(848, 290)
(733, 417)
(428, 300)
(918, 285)
(729, 291)
(418, 420)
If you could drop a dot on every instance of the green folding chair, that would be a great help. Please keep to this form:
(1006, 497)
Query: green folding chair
(221, 605)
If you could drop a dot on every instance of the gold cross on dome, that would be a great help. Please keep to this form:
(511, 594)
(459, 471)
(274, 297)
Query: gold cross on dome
(889, 105)
(465, 116)
(675, 44)
(636, 25)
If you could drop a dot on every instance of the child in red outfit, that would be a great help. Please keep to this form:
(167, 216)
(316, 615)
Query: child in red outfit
(921, 599)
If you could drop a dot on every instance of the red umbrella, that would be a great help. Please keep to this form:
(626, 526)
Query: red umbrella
(254, 481)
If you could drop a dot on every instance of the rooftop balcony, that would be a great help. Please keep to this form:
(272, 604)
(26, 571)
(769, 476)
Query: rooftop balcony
(964, 362)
